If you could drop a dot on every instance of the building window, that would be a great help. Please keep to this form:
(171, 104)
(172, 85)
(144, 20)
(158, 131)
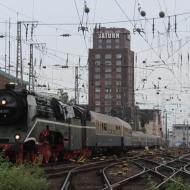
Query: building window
(117, 46)
(108, 69)
(118, 102)
(99, 46)
(97, 63)
(97, 56)
(118, 90)
(108, 76)
(107, 90)
(116, 41)
(118, 69)
(108, 41)
(118, 96)
(107, 56)
(118, 83)
(97, 108)
(118, 63)
(107, 62)
(99, 41)
(118, 56)
(97, 103)
(107, 109)
(97, 69)
(97, 76)
(97, 83)
(97, 96)
(97, 89)
(108, 46)
(108, 83)
(118, 76)
(107, 96)
(107, 102)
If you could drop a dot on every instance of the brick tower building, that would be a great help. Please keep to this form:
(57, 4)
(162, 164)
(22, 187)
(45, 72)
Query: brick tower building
(111, 73)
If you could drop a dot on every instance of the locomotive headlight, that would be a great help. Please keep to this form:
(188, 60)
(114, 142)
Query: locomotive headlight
(17, 137)
(3, 101)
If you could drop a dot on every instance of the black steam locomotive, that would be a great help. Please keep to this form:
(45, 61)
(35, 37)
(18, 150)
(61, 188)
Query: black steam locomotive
(34, 125)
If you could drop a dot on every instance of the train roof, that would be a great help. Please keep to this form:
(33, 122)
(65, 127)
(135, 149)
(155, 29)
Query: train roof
(109, 119)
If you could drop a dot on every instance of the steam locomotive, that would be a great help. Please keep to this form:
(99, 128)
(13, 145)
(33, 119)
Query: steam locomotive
(73, 130)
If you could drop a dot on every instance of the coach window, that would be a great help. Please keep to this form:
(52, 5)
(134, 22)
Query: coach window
(104, 126)
(112, 129)
(98, 127)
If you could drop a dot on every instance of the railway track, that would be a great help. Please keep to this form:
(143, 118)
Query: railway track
(136, 172)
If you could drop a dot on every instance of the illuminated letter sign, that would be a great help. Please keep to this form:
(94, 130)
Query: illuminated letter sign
(110, 35)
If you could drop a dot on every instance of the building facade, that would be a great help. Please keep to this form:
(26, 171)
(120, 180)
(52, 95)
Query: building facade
(111, 73)
(181, 135)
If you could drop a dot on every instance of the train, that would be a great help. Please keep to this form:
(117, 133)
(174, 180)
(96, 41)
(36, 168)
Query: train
(72, 130)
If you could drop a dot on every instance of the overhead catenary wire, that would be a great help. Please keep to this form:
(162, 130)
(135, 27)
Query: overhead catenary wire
(120, 7)
(80, 21)
(103, 22)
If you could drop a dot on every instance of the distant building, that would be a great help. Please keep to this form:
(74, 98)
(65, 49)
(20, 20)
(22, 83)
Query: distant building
(111, 73)
(170, 138)
(150, 121)
(181, 134)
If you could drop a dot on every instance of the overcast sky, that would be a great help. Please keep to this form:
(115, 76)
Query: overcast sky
(162, 59)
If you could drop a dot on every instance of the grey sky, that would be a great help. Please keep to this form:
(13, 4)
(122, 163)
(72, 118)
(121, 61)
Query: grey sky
(172, 68)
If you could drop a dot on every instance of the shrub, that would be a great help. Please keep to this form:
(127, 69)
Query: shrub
(171, 185)
(21, 177)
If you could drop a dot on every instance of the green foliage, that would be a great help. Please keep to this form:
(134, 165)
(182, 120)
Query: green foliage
(21, 177)
(180, 185)
(150, 182)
